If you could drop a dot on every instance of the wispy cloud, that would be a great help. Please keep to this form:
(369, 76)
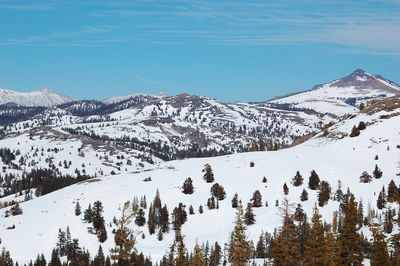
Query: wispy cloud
(373, 25)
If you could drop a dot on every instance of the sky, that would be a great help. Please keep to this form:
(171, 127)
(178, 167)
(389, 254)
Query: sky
(230, 50)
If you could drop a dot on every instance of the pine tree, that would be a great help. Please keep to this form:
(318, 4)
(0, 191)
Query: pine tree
(208, 173)
(260, 247)
(285, 249)
(380, 255)
(215, 255)
(218, 191)
(380, 203)
(297, 179)
(239, 247)
(313, 182)
(315, 253)
(188, 186)
(198, 259)
(77, 209)
(5, 258)
(88, 214)
(350, 249)
(55, 258)
(365, 177)
(393, 192)
(324, 193)
(99, 259)
(140, 220)
(285, 189)
(249, 216)
(98, 219)
(164, 219)
(124, 238)
(181, 259)
(377, 172)
(339, 192)
(304, 195)
(256, 199)
(235, 201)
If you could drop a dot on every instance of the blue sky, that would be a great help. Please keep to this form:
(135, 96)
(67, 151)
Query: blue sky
(229, 50)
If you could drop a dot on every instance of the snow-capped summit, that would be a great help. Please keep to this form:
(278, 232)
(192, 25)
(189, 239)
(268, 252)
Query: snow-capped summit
(342, 95)
(39, 97)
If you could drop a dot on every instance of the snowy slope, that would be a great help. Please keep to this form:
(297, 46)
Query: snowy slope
(333, 154)
(40, 97)
(343, 95)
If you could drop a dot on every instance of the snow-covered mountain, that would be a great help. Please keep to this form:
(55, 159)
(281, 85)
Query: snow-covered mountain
(343, 95)
(40, 97)
(332, 153)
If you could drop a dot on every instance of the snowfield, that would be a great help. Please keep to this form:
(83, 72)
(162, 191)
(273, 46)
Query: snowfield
(333, 155)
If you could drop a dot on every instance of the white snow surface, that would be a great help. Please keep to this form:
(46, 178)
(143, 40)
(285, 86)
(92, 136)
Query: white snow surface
(334, 158)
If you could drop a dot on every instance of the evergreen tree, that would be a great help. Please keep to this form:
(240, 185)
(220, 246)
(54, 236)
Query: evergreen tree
(285, 249)
(55, 258)
(304, 195)
(313, 182)
(324, 193)
(377, 172)
(218, 191)
(77, 209)
(365, 177)
(188, 186)
(260, 247)
(208, 173)
(88, 214)
(339, 193)
(315, 253)
(380, 203)
(380, 255)
(350, 249)
(140, 220)
(235, 201)
(164, 219)
(285, 189)
(239, 247)
(393, 192)
(198, 259)
(256, 199)
(99, 259)
(124, 239)
(215, 255)
(297, 179)
(98, 219)
(5, 258)
(181, 258)
(249, 216)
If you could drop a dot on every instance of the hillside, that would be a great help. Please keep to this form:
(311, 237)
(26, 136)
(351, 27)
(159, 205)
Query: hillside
(333, 154)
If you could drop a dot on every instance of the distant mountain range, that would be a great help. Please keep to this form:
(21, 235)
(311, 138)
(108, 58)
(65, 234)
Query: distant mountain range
(40, 97)
(343, 95)
(169, 127)
(336, 97)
